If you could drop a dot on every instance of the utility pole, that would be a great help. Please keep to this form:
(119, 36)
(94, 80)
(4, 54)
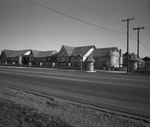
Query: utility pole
(138, 29)
(81, 64)
(127, 20)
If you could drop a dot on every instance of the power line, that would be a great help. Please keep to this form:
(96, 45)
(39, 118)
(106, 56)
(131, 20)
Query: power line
(84, 21)
(140, 43)
(88, 23)
(100, 15)
(94, 12)
(144, 46)
(121, 14)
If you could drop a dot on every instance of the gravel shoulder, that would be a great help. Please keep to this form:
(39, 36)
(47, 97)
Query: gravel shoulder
(21, 108)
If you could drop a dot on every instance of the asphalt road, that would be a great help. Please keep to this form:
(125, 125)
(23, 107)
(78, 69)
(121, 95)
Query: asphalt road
(126, 93)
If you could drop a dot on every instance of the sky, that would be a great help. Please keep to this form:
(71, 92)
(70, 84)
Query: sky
(49, 24)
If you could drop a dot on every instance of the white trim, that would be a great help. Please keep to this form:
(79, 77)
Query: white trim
(27, 53)
(87, 54)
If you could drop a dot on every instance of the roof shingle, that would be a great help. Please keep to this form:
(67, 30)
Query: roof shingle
(81, 50)
(39, 54)
(134, 58)
(104, 51)
(69, 49)
(76, 51)
(15, 53)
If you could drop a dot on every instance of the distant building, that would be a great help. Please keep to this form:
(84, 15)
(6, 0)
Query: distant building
(39, 58)
(63, 58)
(147, 63)
(74, 57)
(134, 61)
(28, 57)
(12, 56)
(108, 58)
(83, 57)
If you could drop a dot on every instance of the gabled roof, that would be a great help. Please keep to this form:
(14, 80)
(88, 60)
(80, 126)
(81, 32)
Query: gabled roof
(14, 53)
(125, 54)
(76, 51)
(134, 58)
(43, 53)
(146, 58)
(110, 53)
(81, 50)
(35, 53)
(69, 49)
(104, 51)
(90, 59)
(55, 54)
(7, 52)
(18, 52)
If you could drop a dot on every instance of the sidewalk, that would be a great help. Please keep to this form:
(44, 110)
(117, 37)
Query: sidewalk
(83, 71)
(60, 69)
(111, 71)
